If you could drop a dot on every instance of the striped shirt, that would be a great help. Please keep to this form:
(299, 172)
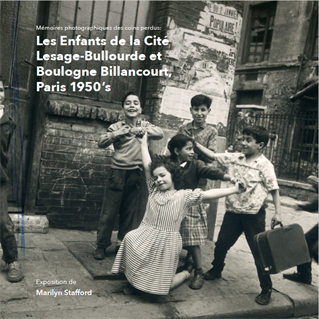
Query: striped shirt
(149, 254)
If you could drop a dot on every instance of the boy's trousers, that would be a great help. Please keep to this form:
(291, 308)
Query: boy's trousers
(8, 240)
(232, 227)
(125, 194)
(311, 238)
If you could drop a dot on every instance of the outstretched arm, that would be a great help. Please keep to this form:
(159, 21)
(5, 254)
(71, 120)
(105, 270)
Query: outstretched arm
(146, 159)
(205, 171)
(222, 192)
(208, 153)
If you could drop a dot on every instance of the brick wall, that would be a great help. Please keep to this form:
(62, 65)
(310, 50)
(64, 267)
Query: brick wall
(73, 168)
(291, 67)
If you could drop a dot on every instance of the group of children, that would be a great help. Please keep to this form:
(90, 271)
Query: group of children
(174, 217)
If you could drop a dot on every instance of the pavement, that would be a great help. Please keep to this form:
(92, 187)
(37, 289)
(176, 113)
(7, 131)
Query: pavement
(45, 257)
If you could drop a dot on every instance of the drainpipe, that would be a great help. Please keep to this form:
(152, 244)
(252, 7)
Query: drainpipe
(304, 49)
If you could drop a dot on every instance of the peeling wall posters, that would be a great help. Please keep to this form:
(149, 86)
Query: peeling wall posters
(202, 61)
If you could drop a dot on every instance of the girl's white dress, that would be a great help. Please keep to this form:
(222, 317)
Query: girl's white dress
(149, 254)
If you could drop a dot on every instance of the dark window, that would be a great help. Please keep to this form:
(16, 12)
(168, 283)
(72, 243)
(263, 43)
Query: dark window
(262, 24)
(252, 76)
(249, 97)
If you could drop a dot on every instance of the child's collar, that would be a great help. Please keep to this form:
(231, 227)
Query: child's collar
(130, 124)
(190, 125)
(183, 164)
(254, 159)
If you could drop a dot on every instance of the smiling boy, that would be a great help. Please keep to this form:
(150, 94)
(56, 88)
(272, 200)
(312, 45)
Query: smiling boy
(205, 135)
(125, 180)
(246, 212)
(198, 129)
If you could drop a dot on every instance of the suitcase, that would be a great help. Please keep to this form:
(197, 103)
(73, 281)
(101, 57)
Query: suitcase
(282, 248)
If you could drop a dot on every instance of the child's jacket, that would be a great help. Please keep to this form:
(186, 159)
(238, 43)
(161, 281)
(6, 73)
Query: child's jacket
(195, 170)
(7, 126)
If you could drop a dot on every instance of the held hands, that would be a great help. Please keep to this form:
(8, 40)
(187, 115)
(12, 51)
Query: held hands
(228, 178)
(233, 180)
(240, 186)
(125, 129)
(142, 139)
(138, 131)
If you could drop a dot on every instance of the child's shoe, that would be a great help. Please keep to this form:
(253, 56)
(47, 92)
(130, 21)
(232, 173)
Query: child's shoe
(264, 297)
(198, 281)
(130, 290)
(298, 277)
(189, 266)
(99, 253)
(212, 274)
(15, 273)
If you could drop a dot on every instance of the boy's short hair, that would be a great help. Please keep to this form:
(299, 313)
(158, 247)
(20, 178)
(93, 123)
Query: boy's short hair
(127, 94)
(201, 99)
(259, 133)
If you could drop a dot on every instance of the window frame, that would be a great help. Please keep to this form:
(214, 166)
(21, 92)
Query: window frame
(256, 97)
(249, 31)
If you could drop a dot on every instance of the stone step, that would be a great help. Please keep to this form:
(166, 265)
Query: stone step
(30, 224)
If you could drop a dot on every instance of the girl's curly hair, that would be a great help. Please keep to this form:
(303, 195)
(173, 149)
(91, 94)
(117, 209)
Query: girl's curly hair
(174, 169)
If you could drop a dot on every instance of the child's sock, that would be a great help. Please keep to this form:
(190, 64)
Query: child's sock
(186, 273)
(198, 270)
(118, 242)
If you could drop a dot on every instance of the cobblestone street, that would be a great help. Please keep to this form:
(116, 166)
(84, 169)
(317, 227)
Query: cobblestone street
(45, 257)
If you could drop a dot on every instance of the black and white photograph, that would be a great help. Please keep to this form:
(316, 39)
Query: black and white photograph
(159, 159)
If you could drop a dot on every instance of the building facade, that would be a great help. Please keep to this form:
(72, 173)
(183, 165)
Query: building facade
(58, 170)
(276, 83)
